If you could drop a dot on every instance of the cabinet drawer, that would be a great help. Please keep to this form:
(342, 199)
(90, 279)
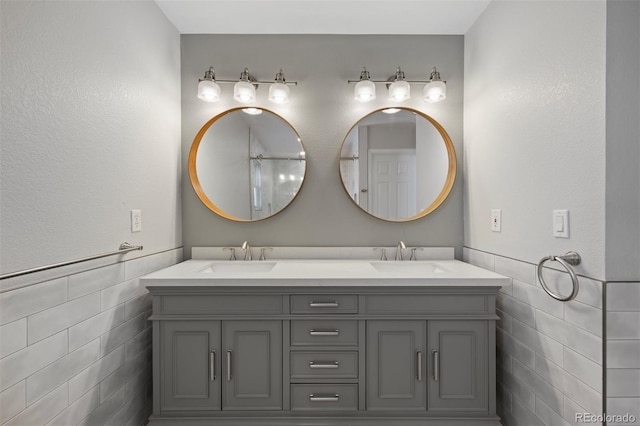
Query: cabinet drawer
(253, 304)
(324, 304)
(423, 304)
(324, 397)
(321, 332)
(326, 365)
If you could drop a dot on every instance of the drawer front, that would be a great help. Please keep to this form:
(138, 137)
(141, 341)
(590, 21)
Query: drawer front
(325, 365)
(324, 304)
(422, 304)
(250, 304)
(324, 397)
(320, 332)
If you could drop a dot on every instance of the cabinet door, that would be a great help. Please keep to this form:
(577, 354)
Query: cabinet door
(458, 366)
(395, 365)
(253, 365)
(189, 360)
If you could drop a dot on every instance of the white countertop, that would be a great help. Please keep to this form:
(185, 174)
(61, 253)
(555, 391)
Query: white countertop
(323, 273)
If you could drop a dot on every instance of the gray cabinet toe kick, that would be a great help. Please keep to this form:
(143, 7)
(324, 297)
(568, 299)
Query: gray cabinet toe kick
(401, 356)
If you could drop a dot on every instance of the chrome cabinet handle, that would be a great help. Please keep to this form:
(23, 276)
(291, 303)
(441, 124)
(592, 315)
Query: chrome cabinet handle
(419, 361)
(333, 304)
(436, 365)
(324, 397)
(212, 366)
(324, 332)
(229, 376)
(325, 365)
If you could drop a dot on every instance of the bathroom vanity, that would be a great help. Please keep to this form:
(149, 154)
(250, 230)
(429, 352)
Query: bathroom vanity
(324, 342)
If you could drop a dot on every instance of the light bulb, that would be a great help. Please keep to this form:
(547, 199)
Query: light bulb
(435, 91)
(399, 91)
(208, 91)
(279, 93)
(364, 91)
(252, 111)
(244, 92)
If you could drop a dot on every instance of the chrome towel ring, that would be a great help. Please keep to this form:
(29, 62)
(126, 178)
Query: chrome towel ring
(569, 259)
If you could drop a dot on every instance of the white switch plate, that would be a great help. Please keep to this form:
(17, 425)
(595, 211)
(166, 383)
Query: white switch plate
(136, 220)
(561, 223)
(496, 220)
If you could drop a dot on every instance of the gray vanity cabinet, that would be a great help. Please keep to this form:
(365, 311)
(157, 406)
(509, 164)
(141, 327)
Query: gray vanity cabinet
(252, 365)
(395, 365)
(220, 365)
(458, 368)
(189, 380)
(319, 356)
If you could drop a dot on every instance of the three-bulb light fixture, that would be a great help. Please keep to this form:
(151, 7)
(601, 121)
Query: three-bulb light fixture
(244, 90)
(399, 89)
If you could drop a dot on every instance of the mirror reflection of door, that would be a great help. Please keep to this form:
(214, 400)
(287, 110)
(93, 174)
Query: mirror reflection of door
(392, 183)
(397, 166)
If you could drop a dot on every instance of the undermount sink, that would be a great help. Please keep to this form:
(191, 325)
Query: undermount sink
(410, 267)
(238, 267)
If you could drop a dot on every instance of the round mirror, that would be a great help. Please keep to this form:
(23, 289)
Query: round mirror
(397, 164)
(247, 164)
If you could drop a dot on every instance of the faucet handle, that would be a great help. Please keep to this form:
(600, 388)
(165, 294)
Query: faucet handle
(233, 252)
(262, 250)
(383, 252)
(413, 253)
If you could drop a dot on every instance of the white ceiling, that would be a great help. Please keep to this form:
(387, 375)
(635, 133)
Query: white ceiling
(322, 16)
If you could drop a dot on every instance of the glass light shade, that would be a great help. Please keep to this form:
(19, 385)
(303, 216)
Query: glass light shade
(244, 92)
(435, 91)
(279, 93)
(208, 91)
(364, 91)
(399, 91)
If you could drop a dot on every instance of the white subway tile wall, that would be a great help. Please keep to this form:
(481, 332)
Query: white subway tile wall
(550, 363)
(76, 350)
(623, 352)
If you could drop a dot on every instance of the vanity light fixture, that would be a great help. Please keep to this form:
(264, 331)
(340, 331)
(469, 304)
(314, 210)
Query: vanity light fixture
(399, 90)
(244, 89)
(279, 92)
(208, 89)
(365, 89)
(435, 90)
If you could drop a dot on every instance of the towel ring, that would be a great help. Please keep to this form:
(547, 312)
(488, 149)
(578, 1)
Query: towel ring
(569, 259)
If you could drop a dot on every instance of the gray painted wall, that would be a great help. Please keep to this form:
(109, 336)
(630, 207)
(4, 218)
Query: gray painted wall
(90, 130)
(322, 110)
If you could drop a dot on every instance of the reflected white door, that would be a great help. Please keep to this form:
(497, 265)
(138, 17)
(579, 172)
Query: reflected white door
(392, 183)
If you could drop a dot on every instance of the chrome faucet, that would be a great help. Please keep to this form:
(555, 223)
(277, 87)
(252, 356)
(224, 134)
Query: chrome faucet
(247, 250)
(401, 246)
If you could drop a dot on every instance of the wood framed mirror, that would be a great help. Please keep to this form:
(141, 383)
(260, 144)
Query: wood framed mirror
(247, 164)
(397, 164)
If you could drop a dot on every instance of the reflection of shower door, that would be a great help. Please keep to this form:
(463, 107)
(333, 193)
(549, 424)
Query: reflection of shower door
(392, 183)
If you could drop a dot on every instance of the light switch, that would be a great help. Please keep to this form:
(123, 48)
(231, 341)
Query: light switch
(136, 220)
(561, 223)
(496, 220)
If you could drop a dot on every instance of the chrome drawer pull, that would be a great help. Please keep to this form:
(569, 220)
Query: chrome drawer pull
(229, 375)
(324, 332)
(333, 304)
(436, 365)
(212, 366)
(324, 397)
(419, 361)
(330, 364)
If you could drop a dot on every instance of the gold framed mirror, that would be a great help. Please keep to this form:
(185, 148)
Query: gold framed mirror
(397, 164)
(247, 164)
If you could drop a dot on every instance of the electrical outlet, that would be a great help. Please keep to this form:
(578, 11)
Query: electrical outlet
(136, 220)
(496, 220)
